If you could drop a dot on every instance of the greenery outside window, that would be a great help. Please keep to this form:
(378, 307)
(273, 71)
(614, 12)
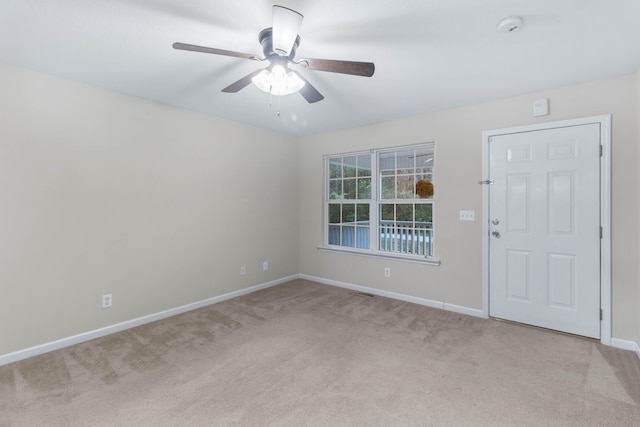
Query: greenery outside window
(381, 202)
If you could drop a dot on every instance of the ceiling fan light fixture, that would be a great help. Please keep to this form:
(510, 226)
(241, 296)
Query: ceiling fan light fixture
(277, 81)
(294, 82)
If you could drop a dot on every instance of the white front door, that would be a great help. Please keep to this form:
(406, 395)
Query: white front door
(544, 224)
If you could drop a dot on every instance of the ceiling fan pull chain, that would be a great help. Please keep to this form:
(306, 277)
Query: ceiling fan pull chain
(271, 103)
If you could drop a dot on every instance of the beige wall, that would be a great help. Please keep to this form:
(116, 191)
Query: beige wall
(103, 193)
(458, 137)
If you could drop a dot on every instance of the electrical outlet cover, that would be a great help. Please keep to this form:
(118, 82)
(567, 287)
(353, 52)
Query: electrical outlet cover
(107, 301)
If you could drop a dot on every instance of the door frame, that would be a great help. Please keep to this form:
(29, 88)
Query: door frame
(605, 210)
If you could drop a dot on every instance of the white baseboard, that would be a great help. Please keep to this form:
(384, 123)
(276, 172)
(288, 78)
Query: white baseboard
(394, 295)
(464, 310)
(90, 335)
(626, 345)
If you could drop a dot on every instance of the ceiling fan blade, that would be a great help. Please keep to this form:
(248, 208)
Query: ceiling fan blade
(309, 92)
(365, 69)
(286, 23)
(242, 83)
(212, 50)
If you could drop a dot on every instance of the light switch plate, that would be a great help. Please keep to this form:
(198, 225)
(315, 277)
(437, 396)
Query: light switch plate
(467, 215)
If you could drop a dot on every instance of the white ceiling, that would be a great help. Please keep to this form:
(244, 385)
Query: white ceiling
(429, 54)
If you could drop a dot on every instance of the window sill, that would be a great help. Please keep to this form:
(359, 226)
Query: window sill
(414, 259)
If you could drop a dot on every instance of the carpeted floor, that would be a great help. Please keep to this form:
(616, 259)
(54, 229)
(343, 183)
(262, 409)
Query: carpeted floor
(303, 353)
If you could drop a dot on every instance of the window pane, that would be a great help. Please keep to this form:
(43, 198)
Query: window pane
(349, 168)
(364, 188)
(405, 162)
(334, 214)
(387, 164)
(348, 212)
(334, 234)
(404, 213)
(348, 235)
(387, 236)
(362, 237)
(364, 165)
(405, 187)
(335, 168)
(423, 213)
(424, 241)
(388, 188)
(362, 212)
(424, 163)
(350, 189)
(335, 190)
(387, 212)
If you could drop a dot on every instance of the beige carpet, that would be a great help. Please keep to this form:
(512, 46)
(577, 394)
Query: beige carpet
(309, 354)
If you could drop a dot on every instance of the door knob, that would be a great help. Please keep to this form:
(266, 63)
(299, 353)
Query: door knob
(495, 221)
(496, 234)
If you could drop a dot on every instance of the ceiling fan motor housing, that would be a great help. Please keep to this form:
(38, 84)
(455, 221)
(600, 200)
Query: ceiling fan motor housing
(266, 41)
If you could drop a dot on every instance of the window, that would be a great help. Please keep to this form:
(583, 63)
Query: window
(381, 202)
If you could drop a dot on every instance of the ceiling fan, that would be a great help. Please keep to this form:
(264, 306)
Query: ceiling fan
(279, 44)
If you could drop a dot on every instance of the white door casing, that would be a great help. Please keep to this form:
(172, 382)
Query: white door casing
(546, 264)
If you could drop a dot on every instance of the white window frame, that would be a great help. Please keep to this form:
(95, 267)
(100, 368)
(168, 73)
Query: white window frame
(374, 202)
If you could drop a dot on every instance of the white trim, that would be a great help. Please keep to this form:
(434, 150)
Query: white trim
(401, 297)
(415, 300)
(605, 223)
(626, 345)
(344, 285)
(390, 255)
(118, 327)
(605, 211)
(464, 310)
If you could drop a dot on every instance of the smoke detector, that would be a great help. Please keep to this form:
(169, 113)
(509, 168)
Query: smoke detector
(510, 24)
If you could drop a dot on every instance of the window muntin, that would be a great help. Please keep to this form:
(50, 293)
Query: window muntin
(349, 225)
(400, 171)
(350, 177)
(391, 214)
